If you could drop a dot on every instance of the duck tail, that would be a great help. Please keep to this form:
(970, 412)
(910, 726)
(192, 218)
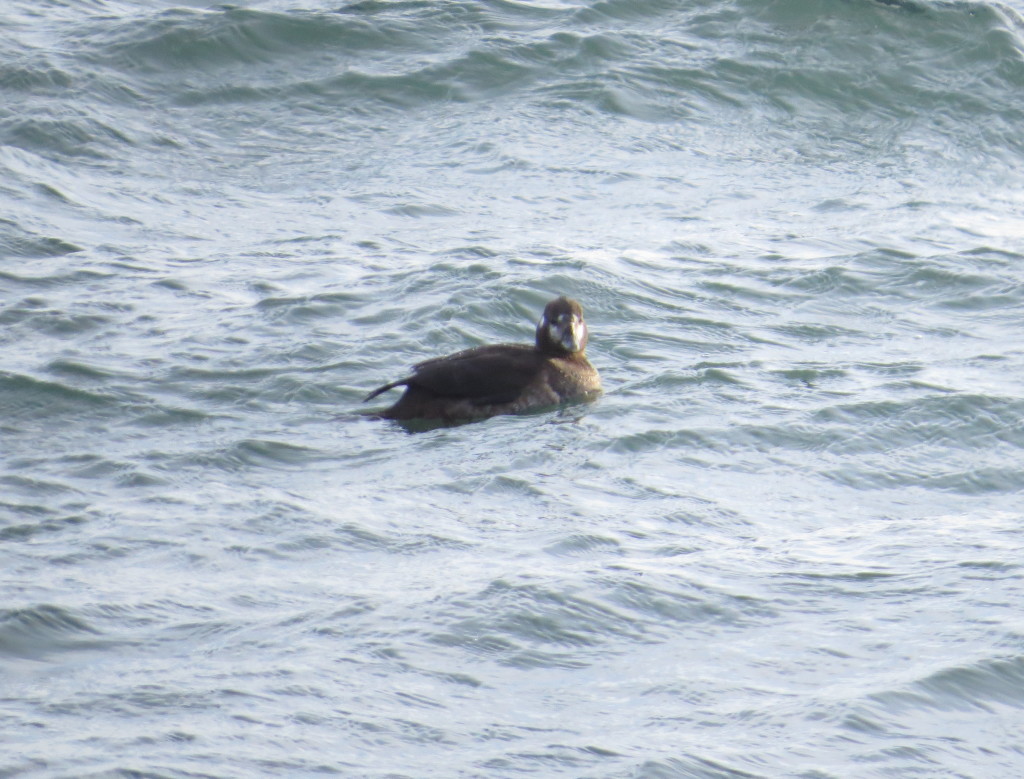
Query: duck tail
(385, 388)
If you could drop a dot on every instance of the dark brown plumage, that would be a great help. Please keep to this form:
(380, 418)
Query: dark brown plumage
(503, 378)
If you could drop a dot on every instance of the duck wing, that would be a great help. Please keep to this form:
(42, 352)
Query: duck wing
(483, 375)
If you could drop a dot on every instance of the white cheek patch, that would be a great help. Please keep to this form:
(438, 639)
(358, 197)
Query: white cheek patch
(579, 332)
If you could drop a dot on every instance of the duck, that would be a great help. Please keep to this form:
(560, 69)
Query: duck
(496, 379)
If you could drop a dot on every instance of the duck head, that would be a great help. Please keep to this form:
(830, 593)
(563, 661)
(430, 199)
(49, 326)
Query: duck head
(561, 329)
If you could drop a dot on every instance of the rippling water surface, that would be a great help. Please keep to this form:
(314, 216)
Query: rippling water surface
(786, 542)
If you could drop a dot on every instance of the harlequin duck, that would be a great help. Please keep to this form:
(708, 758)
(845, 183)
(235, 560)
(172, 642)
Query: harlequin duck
(503, 378)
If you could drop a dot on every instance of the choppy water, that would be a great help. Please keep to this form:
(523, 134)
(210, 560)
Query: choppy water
(787, 541)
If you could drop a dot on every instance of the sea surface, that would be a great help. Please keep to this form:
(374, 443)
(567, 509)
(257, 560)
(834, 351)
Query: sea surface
(788, 541)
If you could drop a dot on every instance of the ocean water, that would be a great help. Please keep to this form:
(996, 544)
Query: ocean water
(787, 541)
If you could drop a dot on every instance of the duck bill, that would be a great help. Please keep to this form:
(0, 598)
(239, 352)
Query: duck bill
(574, 337)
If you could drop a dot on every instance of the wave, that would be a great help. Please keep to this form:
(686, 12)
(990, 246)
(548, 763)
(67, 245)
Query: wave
(21, 395)
(902, 84)
(783, 57)
(38, 631)
(983, 685)
(16, 242)
(533, 625)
